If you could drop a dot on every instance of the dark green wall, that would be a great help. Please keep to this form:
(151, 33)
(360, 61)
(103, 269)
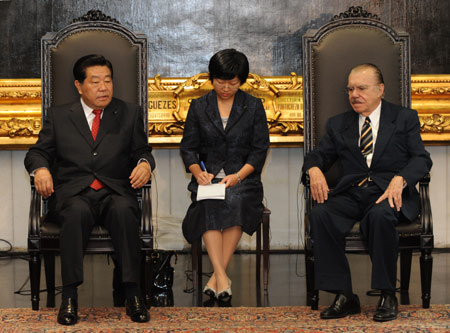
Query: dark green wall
(183, 35)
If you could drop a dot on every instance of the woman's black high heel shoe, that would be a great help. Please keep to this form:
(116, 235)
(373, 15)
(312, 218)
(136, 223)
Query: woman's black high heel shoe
(225, 294)
(208, 291)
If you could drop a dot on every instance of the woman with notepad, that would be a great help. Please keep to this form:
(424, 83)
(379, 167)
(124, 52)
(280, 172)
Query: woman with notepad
(224, 144)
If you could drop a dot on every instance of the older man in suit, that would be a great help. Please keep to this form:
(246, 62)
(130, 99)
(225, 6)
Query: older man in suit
(383, 157)
(90, 157)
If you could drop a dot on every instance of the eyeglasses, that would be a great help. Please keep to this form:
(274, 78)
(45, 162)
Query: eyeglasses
(358, 89)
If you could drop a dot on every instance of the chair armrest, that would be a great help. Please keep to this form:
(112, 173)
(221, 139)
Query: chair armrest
(307, 194)
(35, 211)
(426, 218)
(309, 204)
(146, 208)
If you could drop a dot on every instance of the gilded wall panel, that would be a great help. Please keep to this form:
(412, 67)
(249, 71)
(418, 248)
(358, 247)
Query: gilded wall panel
(169, 100)
(430, 96)
(20, 112)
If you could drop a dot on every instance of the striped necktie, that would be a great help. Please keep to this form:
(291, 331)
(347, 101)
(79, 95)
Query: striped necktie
(366, 141)
(366, 144)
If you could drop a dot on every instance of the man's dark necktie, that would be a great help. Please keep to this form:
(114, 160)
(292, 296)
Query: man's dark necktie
(366, 143)
(96, 184)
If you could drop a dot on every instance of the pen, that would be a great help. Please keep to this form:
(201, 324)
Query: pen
(202, 165)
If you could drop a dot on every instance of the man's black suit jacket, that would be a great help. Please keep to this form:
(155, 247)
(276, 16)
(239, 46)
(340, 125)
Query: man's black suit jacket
(399, 150)
(66, 147)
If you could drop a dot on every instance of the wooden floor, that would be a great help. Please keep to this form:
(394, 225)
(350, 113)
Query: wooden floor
(286, 281)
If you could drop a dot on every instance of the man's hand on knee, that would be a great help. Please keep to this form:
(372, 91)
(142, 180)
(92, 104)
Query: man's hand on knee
(318, 185)
(43, 182)
(140, 175)
(394, 193)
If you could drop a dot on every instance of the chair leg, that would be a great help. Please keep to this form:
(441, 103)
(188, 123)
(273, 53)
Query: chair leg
(266, 248)
(49, 267)
(196, 253)
(258, 255)
(405, 275)
(146, 278)
(426, 272)
(312, 296)
(258, 293)
(35, 278)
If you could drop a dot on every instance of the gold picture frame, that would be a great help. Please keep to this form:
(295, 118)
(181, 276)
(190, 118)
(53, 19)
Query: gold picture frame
(169, 99)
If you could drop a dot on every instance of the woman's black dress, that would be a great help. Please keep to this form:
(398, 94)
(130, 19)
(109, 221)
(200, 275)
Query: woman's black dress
(244, 140)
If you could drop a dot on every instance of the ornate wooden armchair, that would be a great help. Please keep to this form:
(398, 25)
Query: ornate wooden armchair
(92, 33)
(352, 38)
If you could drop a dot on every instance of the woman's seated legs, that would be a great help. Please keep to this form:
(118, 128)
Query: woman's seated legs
(221, 246)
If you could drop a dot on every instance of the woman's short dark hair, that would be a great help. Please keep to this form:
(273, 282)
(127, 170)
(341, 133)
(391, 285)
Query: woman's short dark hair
(227, 64)
(79, 69)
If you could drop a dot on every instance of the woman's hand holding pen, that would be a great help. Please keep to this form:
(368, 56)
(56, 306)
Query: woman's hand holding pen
(201, 175)
(203, 178)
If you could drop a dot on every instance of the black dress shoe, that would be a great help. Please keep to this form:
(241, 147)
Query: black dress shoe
(136, 309)
(387, 308)
(68, 312)
(341, 307)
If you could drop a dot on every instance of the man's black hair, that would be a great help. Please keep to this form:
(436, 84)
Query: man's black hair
(79, 69)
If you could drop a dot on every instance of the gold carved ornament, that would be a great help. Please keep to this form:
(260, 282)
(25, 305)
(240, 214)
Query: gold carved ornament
(169, 100)
(430, 96)
(20, 112)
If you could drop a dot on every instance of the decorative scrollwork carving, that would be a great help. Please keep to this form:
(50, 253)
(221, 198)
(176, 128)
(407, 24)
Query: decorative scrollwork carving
(194, 82)
(296, 82)
(259, 82)
(15, 127)
(157, 84)
(355, 12)
(165, 128)
(95, 15)
(435, 123)
(430, 90)
(285, 127)
(20, 94)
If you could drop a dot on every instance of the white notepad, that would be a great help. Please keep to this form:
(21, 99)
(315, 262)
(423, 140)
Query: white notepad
(211, 191)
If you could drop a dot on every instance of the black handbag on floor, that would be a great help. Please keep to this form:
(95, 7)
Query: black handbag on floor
(162, 276)
(162, 270)
(162, 294)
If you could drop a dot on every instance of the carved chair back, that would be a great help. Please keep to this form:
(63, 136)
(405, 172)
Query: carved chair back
(329, 53)
(94, 33)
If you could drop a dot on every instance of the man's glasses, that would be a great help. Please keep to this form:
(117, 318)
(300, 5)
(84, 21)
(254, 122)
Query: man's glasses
(359, 89)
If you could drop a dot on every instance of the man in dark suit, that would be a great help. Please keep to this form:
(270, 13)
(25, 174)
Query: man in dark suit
(383, 157)
(90, 157)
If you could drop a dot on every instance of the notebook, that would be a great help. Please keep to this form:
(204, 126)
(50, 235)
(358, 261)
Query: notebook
(211, 191)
